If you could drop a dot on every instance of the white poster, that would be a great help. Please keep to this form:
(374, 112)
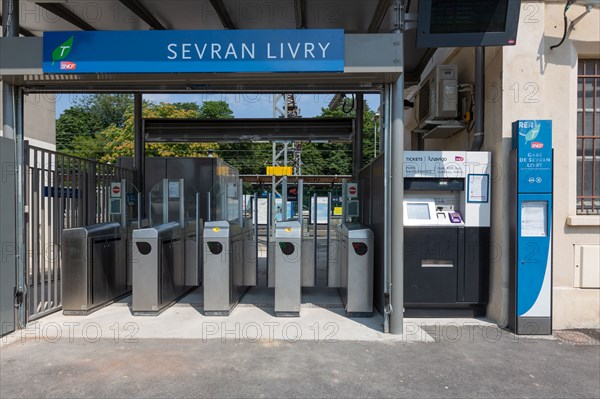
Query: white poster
(478, 186)
(534, 219)
(321, 210)
(173, 189)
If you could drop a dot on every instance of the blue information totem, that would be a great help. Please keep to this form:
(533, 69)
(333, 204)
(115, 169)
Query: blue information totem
(530, 285)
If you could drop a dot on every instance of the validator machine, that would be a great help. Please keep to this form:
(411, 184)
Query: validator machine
(446, 214)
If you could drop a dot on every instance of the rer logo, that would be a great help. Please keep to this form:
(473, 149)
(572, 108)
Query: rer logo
(537, 144)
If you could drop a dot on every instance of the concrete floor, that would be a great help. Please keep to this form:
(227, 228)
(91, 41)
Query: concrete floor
(182, 353)
(462, 362)
(322, 318)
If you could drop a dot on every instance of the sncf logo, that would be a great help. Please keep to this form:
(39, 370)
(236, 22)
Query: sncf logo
(537, 144)
(67, 66)
(459, 159)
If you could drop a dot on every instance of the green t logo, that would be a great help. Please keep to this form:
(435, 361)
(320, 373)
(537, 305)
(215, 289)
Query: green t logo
(62, 51)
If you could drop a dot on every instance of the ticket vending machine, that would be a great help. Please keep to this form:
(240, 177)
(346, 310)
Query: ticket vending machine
(530, 283)
(446, 214)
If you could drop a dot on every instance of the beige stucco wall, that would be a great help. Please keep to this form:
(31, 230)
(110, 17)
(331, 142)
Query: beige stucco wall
(39, 119)
(552, 77)
(530, 81)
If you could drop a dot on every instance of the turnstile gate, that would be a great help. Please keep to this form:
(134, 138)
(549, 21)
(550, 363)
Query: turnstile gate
(288, 261)
(94, 267)
(158, 268)
(356, 242)
(223, 267)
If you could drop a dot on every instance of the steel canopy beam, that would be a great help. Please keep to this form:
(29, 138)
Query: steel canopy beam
(248, 130)
(376, 21)
(300, 11)
(223, 14)
(380, 11)
(61, 11)
(143, 13)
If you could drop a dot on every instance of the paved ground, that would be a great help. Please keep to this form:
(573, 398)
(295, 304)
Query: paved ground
(474, 362)
(182, 353)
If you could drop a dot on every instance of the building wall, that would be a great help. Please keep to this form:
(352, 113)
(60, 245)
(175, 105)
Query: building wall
(39, 119)
(530, 81)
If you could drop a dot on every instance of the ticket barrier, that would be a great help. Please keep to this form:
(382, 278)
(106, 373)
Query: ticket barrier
(357, 250)
(158, 268)
(223, 268)
(94, 267)
(288, 275)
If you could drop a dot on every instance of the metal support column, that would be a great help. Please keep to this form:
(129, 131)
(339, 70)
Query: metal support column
(21, 256)
(14, 219)
(397, 193)
(358, 138)
(139, 152)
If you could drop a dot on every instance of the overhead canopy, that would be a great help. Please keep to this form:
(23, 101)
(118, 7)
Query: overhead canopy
(358, 18)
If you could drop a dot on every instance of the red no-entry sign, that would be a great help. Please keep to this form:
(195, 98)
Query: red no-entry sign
(352, 190)
(115, 189)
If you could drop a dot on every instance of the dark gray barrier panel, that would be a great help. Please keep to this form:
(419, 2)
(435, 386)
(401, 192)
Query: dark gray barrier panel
(94, 267)
(357, 249)
(158, 268)
(8, 247)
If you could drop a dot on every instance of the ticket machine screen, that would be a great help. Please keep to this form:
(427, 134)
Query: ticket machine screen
(431, 211)
(418, 211)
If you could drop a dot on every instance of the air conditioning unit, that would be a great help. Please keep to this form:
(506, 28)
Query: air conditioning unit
(438, 95)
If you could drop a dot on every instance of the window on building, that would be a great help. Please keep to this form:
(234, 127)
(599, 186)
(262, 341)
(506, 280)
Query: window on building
(588, 137)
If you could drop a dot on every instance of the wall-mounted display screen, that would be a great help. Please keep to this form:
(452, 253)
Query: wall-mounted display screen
(467, 23)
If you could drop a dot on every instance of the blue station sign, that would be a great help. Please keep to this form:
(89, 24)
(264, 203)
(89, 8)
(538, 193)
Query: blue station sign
(308, 50)
(533, 140)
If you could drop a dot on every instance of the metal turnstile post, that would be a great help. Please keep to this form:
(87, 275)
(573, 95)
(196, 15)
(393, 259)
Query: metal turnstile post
(288, 259)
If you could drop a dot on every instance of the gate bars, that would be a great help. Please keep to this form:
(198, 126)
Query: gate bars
(61, 191)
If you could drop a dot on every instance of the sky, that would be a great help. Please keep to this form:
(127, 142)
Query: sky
(243, 105)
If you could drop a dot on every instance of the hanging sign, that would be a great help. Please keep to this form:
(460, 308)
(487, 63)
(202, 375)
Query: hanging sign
(302, 50)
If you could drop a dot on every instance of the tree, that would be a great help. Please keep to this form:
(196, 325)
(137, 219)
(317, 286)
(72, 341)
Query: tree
(77, 127)
(74, 122)
(368, 129)
(215, 110)
(108, 108)
(119, 140)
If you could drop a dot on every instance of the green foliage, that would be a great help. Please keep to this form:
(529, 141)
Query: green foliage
(215, 110)
(75, 122)
(79, 125)
(331, 159)
(119, 140)
(100, 127)
(109, 108)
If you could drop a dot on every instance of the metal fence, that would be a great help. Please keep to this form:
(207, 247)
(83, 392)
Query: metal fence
(61, 192)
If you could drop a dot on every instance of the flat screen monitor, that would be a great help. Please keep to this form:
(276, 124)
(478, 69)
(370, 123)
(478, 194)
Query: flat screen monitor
(467, 23)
